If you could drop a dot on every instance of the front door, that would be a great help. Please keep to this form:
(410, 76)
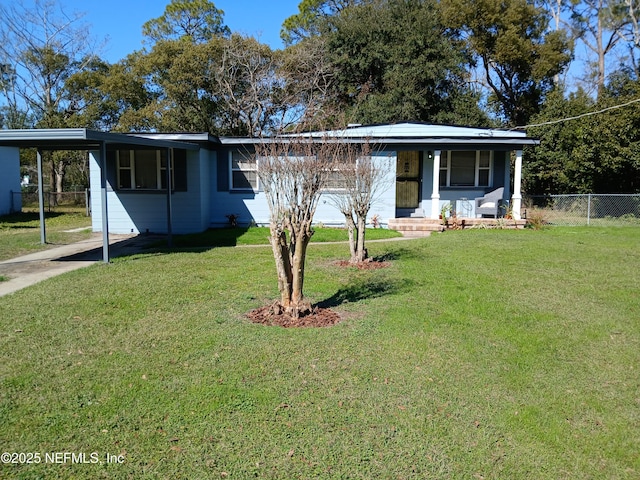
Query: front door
(408, 180)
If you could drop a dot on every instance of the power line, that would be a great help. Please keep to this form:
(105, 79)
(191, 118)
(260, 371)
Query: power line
(588, 114)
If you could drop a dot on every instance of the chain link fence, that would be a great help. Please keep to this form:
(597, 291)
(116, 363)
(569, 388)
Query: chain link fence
(54, 202)
(584, 209)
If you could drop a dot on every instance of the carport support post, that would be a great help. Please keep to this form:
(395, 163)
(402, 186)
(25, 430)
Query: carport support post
(168, 172)
(103, 201)
(43, 233)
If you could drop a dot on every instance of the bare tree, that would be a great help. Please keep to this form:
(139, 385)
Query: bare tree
(599, 24)
(249, 84)
(360, 178)
(632, 32)
(293, 172)
(40, 48)
(308, 78)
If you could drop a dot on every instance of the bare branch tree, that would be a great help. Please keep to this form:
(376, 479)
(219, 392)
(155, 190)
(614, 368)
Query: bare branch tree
(293, 172)
(360, 178)
(43, 46)
(599, 24)
(249, 84)
(308, 77)
(40, 48)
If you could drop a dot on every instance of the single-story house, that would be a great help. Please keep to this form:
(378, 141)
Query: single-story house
(212, 178)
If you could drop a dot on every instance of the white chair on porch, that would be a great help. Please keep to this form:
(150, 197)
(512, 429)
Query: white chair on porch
(490, 203)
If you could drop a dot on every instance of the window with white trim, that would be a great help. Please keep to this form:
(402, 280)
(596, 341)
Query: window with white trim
(143, 170)
(244, 171)
(465, 168)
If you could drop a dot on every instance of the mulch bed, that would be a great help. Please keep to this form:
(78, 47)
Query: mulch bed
(273, 315)
(368, 264)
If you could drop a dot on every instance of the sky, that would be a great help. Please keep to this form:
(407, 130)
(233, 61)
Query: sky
(120, 21)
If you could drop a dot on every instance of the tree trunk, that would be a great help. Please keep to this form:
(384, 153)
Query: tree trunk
(53, 199)
(280, 249)
(361, 252)
(298, 305)
(351, 227)
(59, 174)
(290, 261)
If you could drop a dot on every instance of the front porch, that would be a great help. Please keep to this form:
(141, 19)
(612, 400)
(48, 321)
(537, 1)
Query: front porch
(422, 227)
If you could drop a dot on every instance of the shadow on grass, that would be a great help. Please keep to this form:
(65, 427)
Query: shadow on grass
(198, 242)
(13, 220)
(363, 290)
(396, 254)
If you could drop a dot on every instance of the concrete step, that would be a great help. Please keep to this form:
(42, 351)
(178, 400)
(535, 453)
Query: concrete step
(424, 226)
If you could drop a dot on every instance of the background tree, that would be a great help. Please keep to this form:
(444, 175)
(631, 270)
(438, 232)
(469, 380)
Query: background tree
(195, 20)
(599, 25)
(517, 53)
(308, 86)
(111, 97)
(41, 48)
(394, 60)
(608, 157)
(632, 33)
(249, 85)
(594, 153)
(548, 166)
(310, 18)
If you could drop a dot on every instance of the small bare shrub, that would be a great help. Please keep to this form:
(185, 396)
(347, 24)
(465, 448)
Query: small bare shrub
(536, 218)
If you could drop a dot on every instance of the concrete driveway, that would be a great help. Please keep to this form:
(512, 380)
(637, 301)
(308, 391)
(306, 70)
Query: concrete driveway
(33, 268)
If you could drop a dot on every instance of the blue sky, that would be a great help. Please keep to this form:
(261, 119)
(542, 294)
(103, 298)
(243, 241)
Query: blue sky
(121, 20)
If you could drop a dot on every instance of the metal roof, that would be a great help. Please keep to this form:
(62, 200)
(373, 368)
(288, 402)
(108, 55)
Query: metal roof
(83, 139)
(424, 130)
(408, 133)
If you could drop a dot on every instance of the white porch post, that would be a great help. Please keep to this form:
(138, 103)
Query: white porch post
(435, 192)
(517, 181)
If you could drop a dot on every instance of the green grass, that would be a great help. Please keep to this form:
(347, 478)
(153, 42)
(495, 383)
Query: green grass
(476, 354)
(20, 232)
(260, 236)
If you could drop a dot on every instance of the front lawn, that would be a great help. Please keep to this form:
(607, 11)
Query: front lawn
(260, 236)
(20, 232)
(476, 354)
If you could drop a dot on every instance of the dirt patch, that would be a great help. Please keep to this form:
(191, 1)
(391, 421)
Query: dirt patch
(273, 315)
(368, 264)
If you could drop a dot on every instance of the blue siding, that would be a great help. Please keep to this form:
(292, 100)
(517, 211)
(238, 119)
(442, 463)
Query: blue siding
(251, 207)
(10, 180)
(141, 212)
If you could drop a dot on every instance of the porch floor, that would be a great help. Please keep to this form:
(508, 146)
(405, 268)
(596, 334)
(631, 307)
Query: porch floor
(419, 227)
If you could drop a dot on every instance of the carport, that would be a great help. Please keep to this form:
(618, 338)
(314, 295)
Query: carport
(95, 141)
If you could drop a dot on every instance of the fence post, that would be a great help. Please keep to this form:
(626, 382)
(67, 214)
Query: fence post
(86, 201)
(588, 209)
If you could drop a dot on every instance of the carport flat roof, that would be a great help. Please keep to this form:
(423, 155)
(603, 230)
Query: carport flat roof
(83, 139)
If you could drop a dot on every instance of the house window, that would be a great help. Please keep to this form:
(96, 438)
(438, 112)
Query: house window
(343, 175)
(244, 171)
(466, 168)
(143, 170)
